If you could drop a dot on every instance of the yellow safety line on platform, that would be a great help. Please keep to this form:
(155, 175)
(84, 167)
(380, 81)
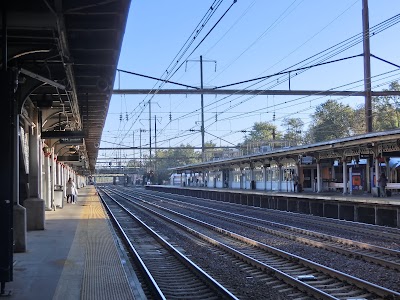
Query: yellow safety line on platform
(93, 269)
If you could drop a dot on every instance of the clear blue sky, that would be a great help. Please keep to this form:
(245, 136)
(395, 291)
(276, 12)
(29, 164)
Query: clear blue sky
(254, 38)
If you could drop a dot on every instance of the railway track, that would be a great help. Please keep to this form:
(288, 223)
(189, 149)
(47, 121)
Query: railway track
(310, 278)
(389, 233)
(360, 229)
(167, 273)
(382, 256)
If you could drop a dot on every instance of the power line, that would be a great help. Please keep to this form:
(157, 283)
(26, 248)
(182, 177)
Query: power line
(158, 79)
(289, 71)
(212, 10)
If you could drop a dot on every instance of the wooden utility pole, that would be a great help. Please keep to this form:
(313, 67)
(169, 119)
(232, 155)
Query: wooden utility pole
(367, 68)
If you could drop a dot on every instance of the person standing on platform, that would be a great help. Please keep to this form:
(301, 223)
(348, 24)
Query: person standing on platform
(74, 193)
(295, 182)
(70, 190)
(382, 182)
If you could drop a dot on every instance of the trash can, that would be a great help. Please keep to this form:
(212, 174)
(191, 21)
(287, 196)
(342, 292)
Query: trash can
(58, 195)
(375, 192)
(253, 185)
(299, 188)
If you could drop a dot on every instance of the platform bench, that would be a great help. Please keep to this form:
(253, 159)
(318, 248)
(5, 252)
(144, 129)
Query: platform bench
(393, 186)
(335, 185)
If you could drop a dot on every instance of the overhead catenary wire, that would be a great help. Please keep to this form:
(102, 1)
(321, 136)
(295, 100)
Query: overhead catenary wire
(378, 28)
(214, 26)
(197, 31)
(226, 112)
(240, 116)
(169, 75)
(342, 46)
(278, 20)
(331, 51)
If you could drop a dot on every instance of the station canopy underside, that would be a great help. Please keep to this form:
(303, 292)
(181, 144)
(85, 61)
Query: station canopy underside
(65, 54)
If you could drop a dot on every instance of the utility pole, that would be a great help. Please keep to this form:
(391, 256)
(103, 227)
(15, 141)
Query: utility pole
(133, 143)
(140, 148)
(150, 131)
(155, 144)
(202, 103)
(202, 110)
(367, 67)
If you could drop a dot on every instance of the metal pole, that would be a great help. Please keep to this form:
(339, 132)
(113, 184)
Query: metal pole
(155, 143)
(133, 143)
(7, 193)
(150, 131)
(4, 58)
(367, 68)
(202, 110)
(140, 149)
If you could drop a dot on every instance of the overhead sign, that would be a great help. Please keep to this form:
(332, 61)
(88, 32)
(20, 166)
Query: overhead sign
(71, 141)
(391, 154)
(68, 158)
(306, 160)
(61, 134)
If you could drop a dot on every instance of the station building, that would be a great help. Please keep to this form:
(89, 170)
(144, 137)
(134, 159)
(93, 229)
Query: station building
(350, 165)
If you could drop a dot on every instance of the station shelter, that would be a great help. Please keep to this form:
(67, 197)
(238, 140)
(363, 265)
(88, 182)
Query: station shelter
(347, 165)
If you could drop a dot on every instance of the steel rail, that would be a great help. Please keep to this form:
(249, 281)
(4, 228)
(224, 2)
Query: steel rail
(150, 281)
(388, 258)
(362, 285)
(221, 291)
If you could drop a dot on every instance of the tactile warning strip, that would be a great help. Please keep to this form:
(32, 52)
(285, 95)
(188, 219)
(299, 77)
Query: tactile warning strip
(103, 276)
(93, 269)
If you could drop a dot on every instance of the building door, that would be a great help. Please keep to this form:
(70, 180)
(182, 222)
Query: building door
(307, 183)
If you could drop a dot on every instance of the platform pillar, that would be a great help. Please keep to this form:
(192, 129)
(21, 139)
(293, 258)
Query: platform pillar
(7, 192)
(345, 176)
(377, 171)
(265, 175)
(241, 179)
(319, 178)
(34, 204)
(19, 212)
(47, 183)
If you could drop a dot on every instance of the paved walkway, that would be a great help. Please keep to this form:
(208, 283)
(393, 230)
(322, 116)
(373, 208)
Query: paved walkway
(75, 257)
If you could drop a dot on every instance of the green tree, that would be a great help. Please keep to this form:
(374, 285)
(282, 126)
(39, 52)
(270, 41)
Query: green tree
(359, 115)
(166, 159)
(332, 120)
(386, 110)
(308, 136)
(262, 133)
(294, 130)
(210, 150)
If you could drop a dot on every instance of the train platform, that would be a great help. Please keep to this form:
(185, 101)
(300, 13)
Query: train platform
(75, 257)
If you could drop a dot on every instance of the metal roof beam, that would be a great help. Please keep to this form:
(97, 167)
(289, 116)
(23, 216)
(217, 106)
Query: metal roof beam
(250, 92)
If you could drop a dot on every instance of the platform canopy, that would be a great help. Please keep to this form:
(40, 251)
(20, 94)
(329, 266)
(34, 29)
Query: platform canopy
(66, 54)
(381, 145)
